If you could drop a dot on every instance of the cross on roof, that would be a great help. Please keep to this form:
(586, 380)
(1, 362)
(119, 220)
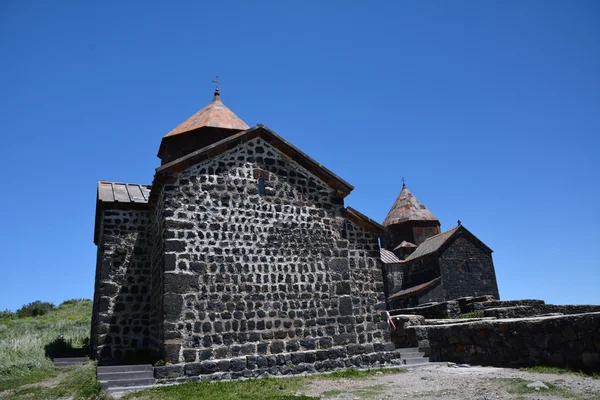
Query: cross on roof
(217, 83)
(403, 182)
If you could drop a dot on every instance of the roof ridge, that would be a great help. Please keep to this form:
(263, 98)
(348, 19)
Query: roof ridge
(441, 233)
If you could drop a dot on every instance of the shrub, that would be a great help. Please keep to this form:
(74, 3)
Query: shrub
(474, 314)
(72, 301)
(34, 309)
(6, 314)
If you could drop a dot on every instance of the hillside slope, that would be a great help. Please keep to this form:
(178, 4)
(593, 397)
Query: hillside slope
(27, 343)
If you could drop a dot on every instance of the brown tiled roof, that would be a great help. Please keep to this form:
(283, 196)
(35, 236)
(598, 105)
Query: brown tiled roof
(340, 186)
(387, 257)
(416, 289)
(432, 244)
(214, 115)
(407, 208)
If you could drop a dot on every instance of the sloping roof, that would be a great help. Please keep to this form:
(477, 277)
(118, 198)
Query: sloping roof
(214, 115)
(341, 187)
(117, 192)
(416, 289)
(362, 220)
(407, 208)
(405, 244)
(432, 244)
(117, 195)
(387, 257)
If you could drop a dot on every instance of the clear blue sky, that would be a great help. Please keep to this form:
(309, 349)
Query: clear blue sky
(490, 109)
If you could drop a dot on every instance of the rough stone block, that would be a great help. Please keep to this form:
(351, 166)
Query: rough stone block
(172, 352)
(181, 283)
(345, 305)
(169, 372)
(172, 305)
(342, 288)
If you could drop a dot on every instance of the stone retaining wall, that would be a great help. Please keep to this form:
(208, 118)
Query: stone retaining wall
(566, 341)
(252, 366)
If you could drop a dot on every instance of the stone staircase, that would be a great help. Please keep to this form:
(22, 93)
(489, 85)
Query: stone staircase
(413, 356)
(119, 378)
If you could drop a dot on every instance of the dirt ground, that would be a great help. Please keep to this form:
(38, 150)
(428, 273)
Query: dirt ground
(473, 383)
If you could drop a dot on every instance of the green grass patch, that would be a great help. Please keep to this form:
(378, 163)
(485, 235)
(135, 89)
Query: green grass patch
(24, 341)
(331, 393)
(374, 391)
(76, 382)
(547, 369)
(474, 314)
(253, 389)
(359, 374)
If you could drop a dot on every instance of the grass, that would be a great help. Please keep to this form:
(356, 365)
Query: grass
(331, 393)
(23, 342)
(474, 314)
(253, 389)
(258, 389)
(359, 374)
(546, 369)
(76, 382)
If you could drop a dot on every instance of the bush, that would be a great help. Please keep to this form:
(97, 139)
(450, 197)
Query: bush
(6, 314)
(72, 301)
(34, 309)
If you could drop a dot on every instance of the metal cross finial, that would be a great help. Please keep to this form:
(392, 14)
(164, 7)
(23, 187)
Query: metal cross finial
(403, 182)
(217, 83)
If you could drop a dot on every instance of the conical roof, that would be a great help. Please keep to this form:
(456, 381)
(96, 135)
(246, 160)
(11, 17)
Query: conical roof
(214, 115)
(407, 208)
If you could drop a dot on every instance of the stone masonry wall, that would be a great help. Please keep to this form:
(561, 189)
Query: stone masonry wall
(250, 274)
(122, 293)
(467, 271)
(566, 341)
(157, 233)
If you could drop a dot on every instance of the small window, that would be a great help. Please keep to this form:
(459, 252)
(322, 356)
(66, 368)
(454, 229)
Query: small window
(261, 186)
(467, 267)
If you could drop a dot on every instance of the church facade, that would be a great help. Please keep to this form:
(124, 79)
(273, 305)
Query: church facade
(242, 246)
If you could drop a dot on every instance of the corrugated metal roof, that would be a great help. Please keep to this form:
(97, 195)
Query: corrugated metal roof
(388, 257)
(407, 208)
(215, 115)
(416, 289)
(117, 192)
(432, 244)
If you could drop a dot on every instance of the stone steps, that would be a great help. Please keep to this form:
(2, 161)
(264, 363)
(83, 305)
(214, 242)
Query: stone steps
(117, 378)
(413, 356)
(68, 361)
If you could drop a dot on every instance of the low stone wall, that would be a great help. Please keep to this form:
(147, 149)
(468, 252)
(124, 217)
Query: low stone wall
(566, 341)
(539, 310)
(447, 309)
(355, 356)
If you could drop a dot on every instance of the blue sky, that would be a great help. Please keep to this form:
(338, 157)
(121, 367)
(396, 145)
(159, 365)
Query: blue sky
(489, 109)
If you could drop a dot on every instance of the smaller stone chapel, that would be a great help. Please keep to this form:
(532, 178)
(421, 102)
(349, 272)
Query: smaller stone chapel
(243, 247)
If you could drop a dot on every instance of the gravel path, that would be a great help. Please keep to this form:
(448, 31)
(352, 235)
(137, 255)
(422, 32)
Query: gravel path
(442, 382)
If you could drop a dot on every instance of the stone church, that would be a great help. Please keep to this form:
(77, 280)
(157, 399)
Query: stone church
(242, 247)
